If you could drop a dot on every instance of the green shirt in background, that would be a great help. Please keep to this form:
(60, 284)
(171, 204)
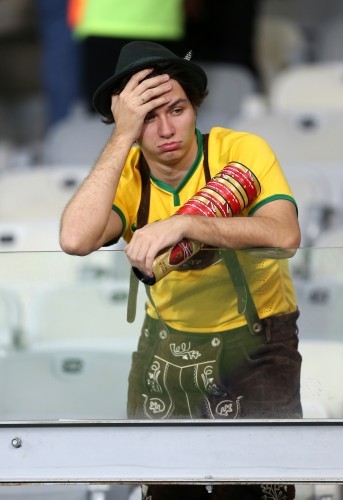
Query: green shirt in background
(145, 19)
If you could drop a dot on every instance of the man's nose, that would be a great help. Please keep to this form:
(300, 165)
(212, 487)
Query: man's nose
(166, 128)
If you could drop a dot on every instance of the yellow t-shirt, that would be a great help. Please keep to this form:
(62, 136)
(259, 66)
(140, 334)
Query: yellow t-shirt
(205, 300)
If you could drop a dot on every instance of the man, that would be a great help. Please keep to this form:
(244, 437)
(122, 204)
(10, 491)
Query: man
(220, 336)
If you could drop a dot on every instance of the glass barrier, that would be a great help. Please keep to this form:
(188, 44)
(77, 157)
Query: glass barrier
(66, 345)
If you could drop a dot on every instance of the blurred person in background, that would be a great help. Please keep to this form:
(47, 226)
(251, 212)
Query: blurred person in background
(104, 26)
(21, 117)
(222, 31)
(60, 59)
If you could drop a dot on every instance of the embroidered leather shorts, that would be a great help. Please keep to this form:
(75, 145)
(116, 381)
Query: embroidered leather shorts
(232, 374)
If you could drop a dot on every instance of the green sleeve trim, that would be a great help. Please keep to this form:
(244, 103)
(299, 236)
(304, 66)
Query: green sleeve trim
(273, 198)
(122, 216)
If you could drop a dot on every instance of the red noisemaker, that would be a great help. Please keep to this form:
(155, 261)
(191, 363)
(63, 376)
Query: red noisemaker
(227, 194)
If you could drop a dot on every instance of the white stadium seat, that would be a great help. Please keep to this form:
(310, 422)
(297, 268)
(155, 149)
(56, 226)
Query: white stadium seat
(229, 86)
(310, 87)
(64, 384)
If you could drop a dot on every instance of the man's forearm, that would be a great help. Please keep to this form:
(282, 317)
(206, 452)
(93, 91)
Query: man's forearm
(275, 226)
(242, 232)
(85, 219)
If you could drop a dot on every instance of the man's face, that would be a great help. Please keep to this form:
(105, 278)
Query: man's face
(168, 133)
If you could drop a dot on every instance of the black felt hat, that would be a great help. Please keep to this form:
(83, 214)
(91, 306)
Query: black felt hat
(138, 55)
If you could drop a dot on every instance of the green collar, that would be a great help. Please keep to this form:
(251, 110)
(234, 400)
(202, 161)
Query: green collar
(176, 191)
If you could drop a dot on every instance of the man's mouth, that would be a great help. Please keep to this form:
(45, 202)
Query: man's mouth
(170, 146)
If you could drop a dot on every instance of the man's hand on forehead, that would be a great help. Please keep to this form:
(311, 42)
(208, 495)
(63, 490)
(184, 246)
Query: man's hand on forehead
(149, 88)
(140, 96)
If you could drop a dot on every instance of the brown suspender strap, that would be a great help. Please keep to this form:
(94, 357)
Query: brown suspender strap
(132, 298)
(144, 204)
(142, 219)
(205, 152)
(245, 302)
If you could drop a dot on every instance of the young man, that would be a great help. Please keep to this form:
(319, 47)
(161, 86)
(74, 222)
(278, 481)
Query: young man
(220, 336)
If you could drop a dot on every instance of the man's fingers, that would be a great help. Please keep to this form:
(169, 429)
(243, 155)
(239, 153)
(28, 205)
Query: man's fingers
(155, 81)
(139, 84)
(141, 253)
(153, 93)
(137, 78)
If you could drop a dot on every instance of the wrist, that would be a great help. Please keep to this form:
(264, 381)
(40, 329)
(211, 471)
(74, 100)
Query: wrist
(122, 139)
(185, 225)
(127, 131)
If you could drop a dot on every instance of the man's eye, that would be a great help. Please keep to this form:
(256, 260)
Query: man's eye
(149, 117)
(177, 111)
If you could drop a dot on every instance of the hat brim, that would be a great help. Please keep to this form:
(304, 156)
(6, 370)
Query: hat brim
(102, 96)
